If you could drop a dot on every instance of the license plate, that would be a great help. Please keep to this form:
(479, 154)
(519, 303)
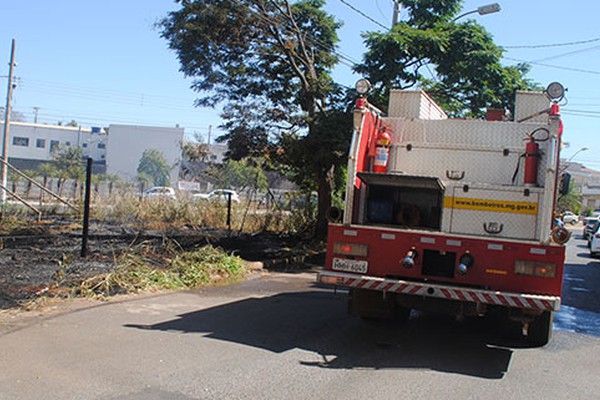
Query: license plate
(356, 266)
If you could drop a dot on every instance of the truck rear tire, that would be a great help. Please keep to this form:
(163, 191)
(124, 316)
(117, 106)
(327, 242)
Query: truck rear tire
(540, 329)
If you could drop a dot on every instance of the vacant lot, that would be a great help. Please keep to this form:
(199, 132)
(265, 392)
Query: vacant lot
(45, 259)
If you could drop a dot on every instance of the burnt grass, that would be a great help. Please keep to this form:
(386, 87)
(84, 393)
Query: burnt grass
(45, 260)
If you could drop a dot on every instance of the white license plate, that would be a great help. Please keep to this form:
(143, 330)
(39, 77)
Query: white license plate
(356, 266)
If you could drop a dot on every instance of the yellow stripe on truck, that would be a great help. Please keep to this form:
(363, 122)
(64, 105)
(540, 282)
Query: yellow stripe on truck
(489, 205)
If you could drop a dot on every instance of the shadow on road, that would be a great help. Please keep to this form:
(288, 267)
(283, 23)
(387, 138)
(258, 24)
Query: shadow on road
(317, 322)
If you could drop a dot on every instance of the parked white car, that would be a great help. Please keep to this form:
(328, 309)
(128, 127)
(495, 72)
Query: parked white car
(594, 242)
(218, 195)
(160, 192)
(570, 218)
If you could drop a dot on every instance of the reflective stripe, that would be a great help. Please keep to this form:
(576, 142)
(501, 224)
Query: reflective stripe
(517, 300)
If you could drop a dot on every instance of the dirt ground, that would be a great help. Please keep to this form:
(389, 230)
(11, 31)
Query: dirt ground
(34, 262)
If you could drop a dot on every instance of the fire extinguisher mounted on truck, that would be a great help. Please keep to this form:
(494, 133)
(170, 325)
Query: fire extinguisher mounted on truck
(439, 215)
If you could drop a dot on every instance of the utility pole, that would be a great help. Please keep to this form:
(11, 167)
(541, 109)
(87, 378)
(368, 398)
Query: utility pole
(7, 112)
(36, 110)
(396, 15)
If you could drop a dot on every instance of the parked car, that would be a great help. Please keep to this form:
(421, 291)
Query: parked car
(590, 227)
(594, 242)
(569, 218)
(218, 195)
(595, 215)
(160, 192)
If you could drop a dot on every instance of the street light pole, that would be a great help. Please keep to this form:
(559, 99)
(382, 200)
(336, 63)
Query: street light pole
(7, 112)
(483, 10)
(396, 14)
(566, 164)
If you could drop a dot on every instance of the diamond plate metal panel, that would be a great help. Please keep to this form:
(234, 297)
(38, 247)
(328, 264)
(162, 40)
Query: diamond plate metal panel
(531, 106)
(463, 165)
(482, 151)
(413, 104)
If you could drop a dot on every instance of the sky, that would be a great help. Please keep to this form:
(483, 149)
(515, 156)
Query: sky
(103, 62)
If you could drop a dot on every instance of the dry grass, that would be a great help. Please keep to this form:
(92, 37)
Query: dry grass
(141, 270)
(164, 214)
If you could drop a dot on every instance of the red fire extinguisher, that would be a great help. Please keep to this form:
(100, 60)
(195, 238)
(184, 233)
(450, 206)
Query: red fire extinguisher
(532, 155)
(382, 151)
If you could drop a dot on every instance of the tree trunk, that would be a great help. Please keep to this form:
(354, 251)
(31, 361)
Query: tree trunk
(324, 188)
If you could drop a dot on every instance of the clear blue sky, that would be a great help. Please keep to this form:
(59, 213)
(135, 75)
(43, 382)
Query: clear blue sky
(102, 62)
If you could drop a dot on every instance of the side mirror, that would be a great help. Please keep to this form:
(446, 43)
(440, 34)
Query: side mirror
(564, 185)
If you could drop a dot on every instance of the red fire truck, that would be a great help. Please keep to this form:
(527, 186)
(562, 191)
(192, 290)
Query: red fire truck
(452, 215)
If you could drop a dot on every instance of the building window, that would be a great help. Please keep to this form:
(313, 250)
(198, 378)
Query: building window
(40, 143)
(54, 145)
(21, 141)
(67, 143)
(84, 145)
(101, 145)
(213, 157)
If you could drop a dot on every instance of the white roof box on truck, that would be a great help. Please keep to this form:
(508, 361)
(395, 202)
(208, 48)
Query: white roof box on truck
(413, 104)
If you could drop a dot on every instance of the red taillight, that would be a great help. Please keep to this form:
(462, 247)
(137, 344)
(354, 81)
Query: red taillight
(597, 235)
(533, 268)
(351, 249)
(331, 280)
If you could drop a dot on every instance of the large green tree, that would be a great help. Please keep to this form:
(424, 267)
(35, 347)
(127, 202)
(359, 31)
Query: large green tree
(270, 62)
(153, 168)
(456, 62)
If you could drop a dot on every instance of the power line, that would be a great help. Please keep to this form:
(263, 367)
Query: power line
(585, 71)
(577, 114)
(356, 10)
(379, 9)
(567, 54)
(541, 46)
(583, 111)
(94, 120)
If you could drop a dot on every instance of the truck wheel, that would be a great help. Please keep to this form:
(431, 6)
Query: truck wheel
(402, 314)
(540, 329)
(509, 328)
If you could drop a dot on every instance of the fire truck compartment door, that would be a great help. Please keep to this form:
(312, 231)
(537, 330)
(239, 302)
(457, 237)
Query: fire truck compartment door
(492, 166)
(401, 180)
(493, 212)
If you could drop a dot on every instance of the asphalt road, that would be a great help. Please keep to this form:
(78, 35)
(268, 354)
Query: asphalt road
(278, 336)
(580, 309)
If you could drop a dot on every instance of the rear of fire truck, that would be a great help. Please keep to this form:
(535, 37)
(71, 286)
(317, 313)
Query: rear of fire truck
(452, 216)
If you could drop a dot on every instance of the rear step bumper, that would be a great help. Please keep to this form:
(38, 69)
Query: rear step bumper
(515, 300)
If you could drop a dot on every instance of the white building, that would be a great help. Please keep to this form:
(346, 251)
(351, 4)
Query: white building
(117, 151)
(216, 153)
(127, 143)
(31, 144)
